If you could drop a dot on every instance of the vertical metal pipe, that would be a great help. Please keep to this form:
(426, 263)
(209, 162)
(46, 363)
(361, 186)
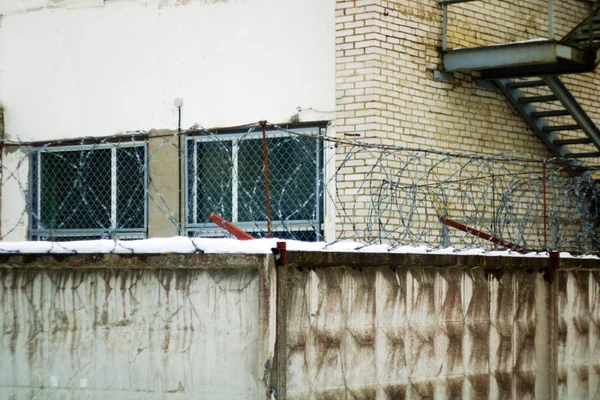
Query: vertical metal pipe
(551, 19)
(179, 168)
(235, 146)
(545, 211)
(113, 190)
(266, 164)
(591, 24)
(445, 29)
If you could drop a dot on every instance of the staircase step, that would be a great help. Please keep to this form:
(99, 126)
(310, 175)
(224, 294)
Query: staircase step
(558, 128)
(551, 113)
(537, 99)
(564, 142)
(580, 38)
(524, 84)
(595, 21)
(584, 155)
(584, 28)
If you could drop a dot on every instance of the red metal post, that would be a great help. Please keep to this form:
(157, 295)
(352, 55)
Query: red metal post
(229, 227)
(555, 259)
(281, 246)
(266, 164)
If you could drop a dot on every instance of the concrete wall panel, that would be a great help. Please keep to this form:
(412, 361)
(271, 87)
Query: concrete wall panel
(578, 335)
(414, 332)
(124, 333)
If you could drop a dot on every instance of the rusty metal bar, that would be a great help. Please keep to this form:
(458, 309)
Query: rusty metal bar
(483, 235)
(229, 227)
(555, 259)
(266, 164)
(281, 257)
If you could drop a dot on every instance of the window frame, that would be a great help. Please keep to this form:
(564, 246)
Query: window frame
(208, 229)
(38, 233)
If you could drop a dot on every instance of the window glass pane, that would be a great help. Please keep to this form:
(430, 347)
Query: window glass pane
(33, 191)
(75, 189)
(191, 178)
(213, 179)
(251, 178)
(292, 179)
(131, 192)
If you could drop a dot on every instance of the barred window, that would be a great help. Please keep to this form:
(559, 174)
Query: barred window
(88, 192)
(225, 175)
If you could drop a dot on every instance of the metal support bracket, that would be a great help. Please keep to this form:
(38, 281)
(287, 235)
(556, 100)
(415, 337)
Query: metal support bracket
(443, 75)
(280, 253)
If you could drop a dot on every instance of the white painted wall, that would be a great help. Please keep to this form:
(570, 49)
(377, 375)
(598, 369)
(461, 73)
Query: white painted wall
(100, 70)
(71, 68)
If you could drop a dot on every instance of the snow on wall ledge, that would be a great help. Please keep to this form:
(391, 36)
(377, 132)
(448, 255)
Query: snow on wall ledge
(184, 245)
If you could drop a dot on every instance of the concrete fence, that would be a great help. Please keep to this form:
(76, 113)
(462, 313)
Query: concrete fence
(372, 326)
(132, 327)
(322, 326)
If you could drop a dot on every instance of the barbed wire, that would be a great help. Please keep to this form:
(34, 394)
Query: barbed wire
(320, 187)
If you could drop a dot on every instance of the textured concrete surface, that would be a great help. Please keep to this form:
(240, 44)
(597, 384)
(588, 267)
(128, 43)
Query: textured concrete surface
(579, 335)
(439, 326)
(129, 333)
(347, 325)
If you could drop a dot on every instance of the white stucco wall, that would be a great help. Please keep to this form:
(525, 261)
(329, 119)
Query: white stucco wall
(72, 68)
(92, 67)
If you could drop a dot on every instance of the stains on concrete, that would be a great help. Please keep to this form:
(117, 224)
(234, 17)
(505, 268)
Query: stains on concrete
(382, 326)
(129, 330)
(395, 327)
(19, 7)
(578, 334)
(165, 261)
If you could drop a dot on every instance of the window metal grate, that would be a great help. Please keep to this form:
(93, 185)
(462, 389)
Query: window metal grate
(225, 175)
(84, 192)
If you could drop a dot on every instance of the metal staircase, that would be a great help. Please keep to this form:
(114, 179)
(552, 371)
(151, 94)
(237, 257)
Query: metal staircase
(527, 73)
(552, 111)
(554, 115)
(587, 34)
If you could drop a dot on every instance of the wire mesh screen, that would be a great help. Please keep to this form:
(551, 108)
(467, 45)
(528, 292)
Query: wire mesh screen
(88, 192)
(402, 196)
(319, 187)
(226, 175)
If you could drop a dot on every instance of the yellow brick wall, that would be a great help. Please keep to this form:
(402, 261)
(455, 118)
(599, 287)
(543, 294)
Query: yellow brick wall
(386, 53)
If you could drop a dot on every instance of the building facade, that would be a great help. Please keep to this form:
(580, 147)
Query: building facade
(89, 87)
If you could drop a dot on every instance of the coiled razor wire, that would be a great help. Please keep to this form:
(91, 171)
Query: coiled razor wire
(91, 188)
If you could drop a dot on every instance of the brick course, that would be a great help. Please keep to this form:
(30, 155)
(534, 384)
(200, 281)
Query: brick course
(386, 53)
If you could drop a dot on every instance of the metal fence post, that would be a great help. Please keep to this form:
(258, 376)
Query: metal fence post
(266, 165)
